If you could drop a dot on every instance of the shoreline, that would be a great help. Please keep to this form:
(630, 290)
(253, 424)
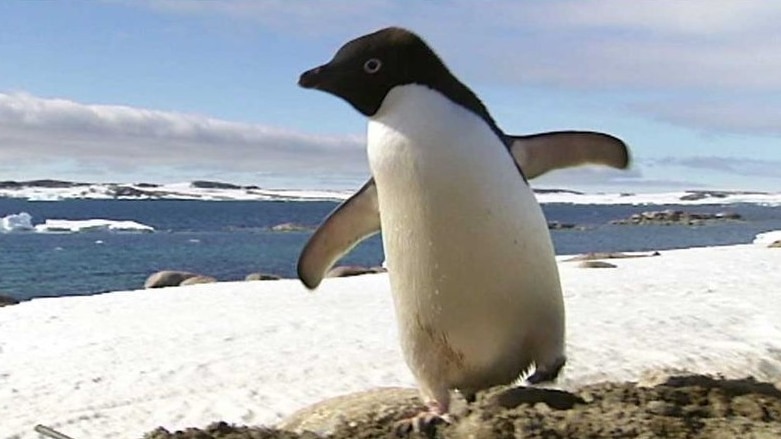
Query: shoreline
(559, 258)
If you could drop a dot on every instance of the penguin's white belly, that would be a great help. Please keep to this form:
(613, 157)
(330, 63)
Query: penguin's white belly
(472, 268)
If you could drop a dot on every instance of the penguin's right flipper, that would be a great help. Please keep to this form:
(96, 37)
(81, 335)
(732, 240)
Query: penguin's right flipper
(350, 223)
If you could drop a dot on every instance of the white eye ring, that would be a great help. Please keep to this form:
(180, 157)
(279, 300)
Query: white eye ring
(372, 66)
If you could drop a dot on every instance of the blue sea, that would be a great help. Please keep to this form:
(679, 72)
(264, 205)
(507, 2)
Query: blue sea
(230, 239)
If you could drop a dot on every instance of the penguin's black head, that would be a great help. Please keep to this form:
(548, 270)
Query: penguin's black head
(365, 69)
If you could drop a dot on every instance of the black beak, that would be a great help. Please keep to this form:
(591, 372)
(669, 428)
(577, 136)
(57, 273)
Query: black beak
(312, 78)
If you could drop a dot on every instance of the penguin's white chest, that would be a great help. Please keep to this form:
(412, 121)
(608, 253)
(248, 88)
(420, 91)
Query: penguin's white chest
(471, 263)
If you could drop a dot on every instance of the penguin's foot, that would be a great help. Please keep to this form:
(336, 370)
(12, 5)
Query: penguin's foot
(548, 373)
(423, 422)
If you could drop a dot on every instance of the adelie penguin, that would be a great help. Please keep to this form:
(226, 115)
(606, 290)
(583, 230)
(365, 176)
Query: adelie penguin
(472, 270)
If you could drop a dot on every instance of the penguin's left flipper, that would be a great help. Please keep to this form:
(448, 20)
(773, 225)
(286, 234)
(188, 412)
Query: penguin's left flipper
(359, 217)
(350, 223)
(537, 154)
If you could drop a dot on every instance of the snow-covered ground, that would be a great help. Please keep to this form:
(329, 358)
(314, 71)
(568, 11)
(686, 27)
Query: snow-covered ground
(190, 191)
(22, 222)
(122, 363)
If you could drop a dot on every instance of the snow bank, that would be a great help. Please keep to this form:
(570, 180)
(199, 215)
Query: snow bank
(119, 364)
(765, 239)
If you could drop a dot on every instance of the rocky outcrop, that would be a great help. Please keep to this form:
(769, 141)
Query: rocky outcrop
(199, 279)
(325, 417)
(611, 255)
(702, 195)
(557, 191)
(596, 264)
(670, 217)
(353, 270)
(129, 191)
(556, 225)
(205, 184)
(54, 184)
(7, 300)
(677, 407)
(168, 278)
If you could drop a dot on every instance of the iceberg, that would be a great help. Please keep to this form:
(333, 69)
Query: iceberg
(19, 222)
(90, 225)
(22, 222)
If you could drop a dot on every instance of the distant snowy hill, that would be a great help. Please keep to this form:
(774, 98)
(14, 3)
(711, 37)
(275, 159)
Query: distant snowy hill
(54, 190)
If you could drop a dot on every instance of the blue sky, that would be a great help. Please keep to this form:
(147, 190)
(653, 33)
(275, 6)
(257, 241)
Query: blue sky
(178, 90)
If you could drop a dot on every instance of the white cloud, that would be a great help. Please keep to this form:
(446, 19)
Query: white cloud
(649, 51)
(44, 132)
(604, 43)
(747, 114)
(692, 17)
(727, 165)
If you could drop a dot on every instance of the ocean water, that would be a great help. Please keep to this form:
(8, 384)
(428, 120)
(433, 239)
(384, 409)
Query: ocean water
(230, 239)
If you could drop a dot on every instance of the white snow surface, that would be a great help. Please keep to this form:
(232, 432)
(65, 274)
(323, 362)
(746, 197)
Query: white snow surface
(22, 222)
(767, 238)
(189, 192)
(119, 364)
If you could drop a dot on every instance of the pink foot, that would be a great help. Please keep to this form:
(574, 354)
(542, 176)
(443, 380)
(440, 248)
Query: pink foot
(423, 422)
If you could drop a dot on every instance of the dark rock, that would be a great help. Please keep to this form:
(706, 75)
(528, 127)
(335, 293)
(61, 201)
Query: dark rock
(199, 279)
(669, 216)
(557, 191)
(596, 264)
(555, 225)
(168, 278)
(205, 184)
(262, 276)
(127, 191)
(612, 255)
(701, 195)
(39, 183)
(52, 183)
(10, 184)
(223, 430)
(147, 185)
(7, 300)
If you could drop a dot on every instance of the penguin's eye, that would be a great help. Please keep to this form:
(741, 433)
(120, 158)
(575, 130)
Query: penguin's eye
(372, 66)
